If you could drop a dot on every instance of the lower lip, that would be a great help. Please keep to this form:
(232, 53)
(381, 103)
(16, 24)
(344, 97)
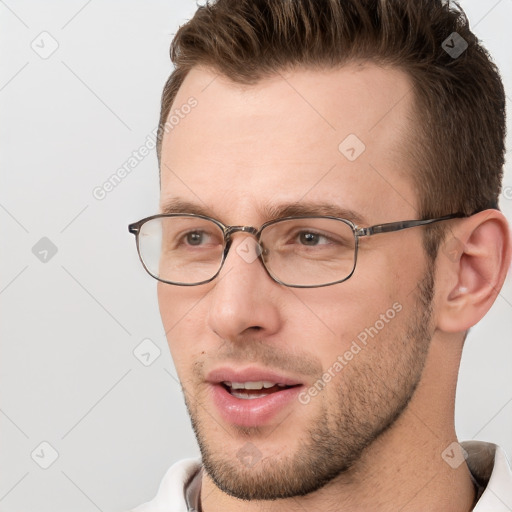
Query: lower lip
(253, 412)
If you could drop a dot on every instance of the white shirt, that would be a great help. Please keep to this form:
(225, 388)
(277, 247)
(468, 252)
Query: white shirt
(487, 462)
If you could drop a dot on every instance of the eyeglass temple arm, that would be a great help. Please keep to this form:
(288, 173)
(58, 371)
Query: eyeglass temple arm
(397, 226)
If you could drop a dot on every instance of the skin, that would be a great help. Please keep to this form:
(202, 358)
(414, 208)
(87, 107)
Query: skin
(382, 423)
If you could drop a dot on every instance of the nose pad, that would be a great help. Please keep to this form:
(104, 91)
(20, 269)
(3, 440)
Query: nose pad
(249, 250)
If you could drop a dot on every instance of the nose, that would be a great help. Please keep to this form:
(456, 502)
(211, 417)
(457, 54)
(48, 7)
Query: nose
(243, 299)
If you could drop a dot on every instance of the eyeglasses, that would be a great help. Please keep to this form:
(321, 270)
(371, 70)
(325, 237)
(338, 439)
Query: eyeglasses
(300, 252)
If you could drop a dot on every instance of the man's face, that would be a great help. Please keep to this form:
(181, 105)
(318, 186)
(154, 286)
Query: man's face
(350, 355)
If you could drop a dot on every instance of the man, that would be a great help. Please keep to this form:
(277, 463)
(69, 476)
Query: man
(328, 233)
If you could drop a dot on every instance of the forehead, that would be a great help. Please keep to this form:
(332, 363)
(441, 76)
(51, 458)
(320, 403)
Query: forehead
(333, 135)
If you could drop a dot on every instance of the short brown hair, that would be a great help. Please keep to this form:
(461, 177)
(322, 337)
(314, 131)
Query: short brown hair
(459, 144)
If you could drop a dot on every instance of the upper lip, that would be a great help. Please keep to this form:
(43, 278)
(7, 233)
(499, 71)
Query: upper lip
(249, 374)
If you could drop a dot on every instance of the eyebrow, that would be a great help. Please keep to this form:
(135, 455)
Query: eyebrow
(270, 212)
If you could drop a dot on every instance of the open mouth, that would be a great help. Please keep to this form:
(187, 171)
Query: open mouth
(251, 396)
(252, 390)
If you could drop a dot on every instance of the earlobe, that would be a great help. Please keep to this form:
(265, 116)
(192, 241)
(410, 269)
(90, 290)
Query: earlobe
(475, 270)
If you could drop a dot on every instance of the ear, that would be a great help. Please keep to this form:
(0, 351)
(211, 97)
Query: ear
(471, 267)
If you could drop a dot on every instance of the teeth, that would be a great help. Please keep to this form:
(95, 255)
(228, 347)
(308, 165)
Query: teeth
(252, 385)
(247, 396)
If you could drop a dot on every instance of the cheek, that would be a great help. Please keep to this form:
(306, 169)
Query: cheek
(168, 306)
(341, 312)
(179, 304)
(357, 315)
(182, 312)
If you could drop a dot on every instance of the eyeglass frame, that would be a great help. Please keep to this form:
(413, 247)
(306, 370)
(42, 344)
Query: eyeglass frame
(228, 231)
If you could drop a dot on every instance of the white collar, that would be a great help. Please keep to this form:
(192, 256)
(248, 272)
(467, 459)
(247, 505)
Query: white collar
(490, 468)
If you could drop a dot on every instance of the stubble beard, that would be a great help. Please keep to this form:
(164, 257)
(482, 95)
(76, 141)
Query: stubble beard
(372, 393)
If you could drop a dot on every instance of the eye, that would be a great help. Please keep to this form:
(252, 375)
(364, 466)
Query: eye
(195, 237)
(198, 238)
(310, 238)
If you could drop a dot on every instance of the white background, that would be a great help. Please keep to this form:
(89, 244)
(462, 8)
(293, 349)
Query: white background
(69, 325)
